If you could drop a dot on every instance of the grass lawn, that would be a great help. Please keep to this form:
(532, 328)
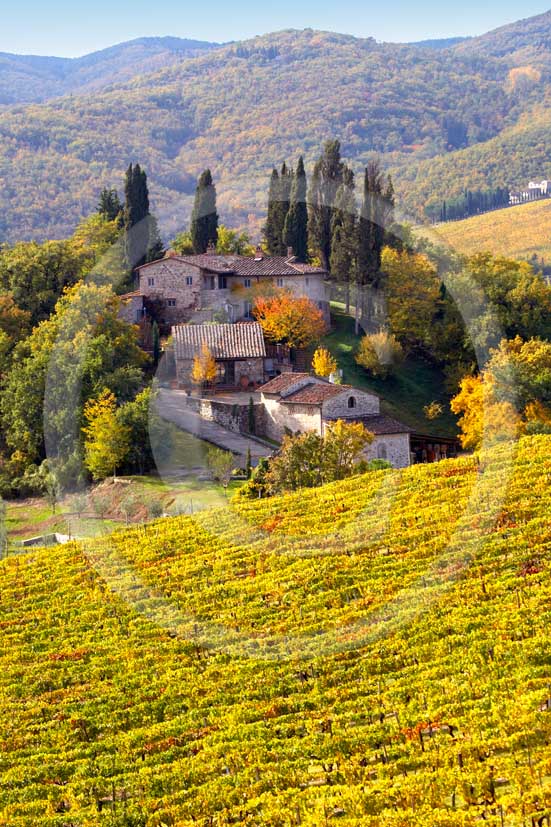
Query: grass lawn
(403, 396)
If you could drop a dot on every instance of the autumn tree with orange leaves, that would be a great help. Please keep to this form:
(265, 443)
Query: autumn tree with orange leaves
(290, 320)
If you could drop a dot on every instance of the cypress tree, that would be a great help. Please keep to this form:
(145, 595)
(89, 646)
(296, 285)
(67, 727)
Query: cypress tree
(326, 180)
(155, 249)
(136, 210)
(204, 218)
(344, 237)
(295, 231)
(269, 230)
(375, 216)
(156, 341)
(109, 205)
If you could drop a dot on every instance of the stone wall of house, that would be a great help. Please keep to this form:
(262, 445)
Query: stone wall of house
(278, 417)
(131, 309)
(365, 404)
(250, 369)
(166, 279)
(393, 447)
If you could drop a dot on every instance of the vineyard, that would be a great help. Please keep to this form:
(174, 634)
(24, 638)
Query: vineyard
(375, 652)
(516, 232)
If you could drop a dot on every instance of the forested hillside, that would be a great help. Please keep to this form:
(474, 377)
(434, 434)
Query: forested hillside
(374, 652)
(28, 78)
(244, 107)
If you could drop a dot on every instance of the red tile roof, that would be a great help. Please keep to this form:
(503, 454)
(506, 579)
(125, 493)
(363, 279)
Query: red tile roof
(314, 394)
(282, 382)
(245, 265)
(225, 341)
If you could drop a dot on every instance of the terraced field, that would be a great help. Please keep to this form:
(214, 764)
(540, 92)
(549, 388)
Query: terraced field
(376, 652)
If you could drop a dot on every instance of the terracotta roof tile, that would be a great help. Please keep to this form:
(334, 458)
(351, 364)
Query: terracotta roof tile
(245, 265)
(282, 382)
(225, 341)
(314, 394)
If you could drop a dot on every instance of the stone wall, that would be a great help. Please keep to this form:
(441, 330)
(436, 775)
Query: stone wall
(393, 447)
(166, 279)
(131, 309)
(279, 416)
(366, 404)
(233, 417)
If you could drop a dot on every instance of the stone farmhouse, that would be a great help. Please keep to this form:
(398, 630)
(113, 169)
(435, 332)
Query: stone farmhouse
(238, 350)
(219, 288)
(300, 402)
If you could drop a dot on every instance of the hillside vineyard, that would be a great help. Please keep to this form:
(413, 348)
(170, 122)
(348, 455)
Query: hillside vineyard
(375, 652)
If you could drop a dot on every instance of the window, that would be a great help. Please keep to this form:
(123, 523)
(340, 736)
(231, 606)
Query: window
(381, 451)
(189, 280)
(351, 401)
(247, 283)
(248, 310)
(171, 302)
(222, 282)
(151, 281)
(279, 282)
(210, 284)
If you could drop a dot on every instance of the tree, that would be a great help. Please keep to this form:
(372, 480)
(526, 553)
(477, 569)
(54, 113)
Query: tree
(295, 230)
(107, 441)
(379, 353)
(156, 340)
(230, 242)
(324, 363)
(344, 235)
(413, 296)
(150, 437)
(481, 418)
(375, 217)
(221, 464)
(204, 218)
(270, 230)
(155, 248)
(290, 320)
(326, 180)
(183, 244)
(203, 371)
(251, 416)
(309, 460)
(136, 213)
(71, 357)
(109, 206)
(279, 196)
(248, 463)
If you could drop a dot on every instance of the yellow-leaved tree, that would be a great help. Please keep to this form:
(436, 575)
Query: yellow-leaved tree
(324, 363)
(203, 371)
(379, 353)
(106, 440)
(483, 417)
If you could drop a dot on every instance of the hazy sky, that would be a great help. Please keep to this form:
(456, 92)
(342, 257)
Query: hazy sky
(66, 28)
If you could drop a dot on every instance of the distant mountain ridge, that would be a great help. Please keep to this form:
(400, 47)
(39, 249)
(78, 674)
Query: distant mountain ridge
(34, 79)
(473, 114)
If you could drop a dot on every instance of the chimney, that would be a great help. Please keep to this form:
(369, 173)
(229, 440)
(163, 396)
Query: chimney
(259, 254)
(211, 249)
(290, 254)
